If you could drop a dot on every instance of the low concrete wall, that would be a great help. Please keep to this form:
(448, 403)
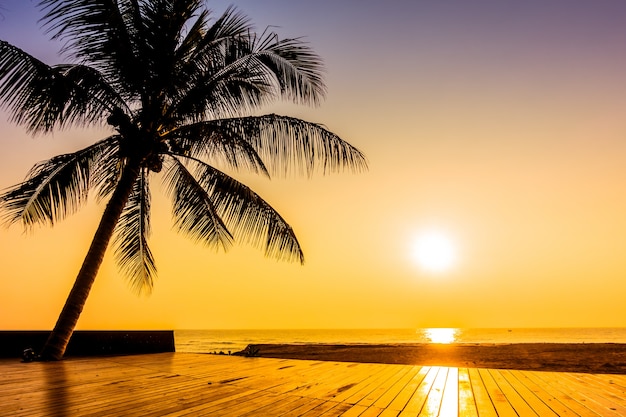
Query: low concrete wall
(91, 342)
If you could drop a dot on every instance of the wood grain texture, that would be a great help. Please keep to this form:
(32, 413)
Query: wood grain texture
(187, 384)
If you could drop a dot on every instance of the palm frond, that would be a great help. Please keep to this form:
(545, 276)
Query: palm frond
(294, 66)
(54, 188)
(194, 212)
(91, 98)
(18, 70)
(247, 72)
(289, 145)
(233, 91)
(213, 77)
(193, 40)
(107, 169)
(219, 144)
(132, 231)
(243, 72)
(41, 96)
(105, 34)
(250, 217)
(165, 21)
(163, 24)
(208, 47)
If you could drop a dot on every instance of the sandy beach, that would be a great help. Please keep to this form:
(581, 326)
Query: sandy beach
(559, 357)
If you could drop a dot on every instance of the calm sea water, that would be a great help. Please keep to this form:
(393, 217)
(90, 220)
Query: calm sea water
(236, 340)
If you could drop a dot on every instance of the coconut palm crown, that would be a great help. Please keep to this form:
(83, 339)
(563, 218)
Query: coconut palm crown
(180, 91)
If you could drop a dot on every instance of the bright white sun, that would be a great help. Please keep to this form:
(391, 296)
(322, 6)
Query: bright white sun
(434, 251)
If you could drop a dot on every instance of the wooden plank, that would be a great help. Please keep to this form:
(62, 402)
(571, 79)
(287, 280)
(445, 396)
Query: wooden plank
(605, 383)
(338, 410)
(368, 382)
(600, 402)
(54, 375)
(304, 408)
(385, 385)
(325, 408)
(549, 400)
(388, 412)
(498, 398)
(277, 405)
(239, 408)
(433, 402)
(547, 389)
(450, 400)
(148, 388)
(402, 399)
(87, 395)
(403, 383)
(222, 407)
(306, 381)
(342, 379)
(420, 396)
(281, 379)
(618, 380)
(481, 394)
(355, 411)
(193, 384)
(520, 404)
(528, 392)
(467, 403)
(373, 412)
(174, 405)
(137, 399)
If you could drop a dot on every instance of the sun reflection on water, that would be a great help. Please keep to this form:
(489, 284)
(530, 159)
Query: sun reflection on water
(441, 335)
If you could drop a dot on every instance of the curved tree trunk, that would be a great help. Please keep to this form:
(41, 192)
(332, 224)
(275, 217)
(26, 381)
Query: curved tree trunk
(55, 346)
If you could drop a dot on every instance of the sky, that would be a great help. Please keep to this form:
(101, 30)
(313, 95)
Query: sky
(497, 124)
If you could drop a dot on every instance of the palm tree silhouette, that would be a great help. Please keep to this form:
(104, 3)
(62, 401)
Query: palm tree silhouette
(179, 91)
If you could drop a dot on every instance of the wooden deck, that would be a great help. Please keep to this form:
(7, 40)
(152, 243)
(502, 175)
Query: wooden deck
(186, 384)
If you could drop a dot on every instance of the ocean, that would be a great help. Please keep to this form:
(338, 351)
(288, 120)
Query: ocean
(215, 341)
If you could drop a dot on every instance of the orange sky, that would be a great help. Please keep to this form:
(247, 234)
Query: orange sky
(500, 123)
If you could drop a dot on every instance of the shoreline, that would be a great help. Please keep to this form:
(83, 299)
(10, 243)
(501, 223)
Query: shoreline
(606, 358)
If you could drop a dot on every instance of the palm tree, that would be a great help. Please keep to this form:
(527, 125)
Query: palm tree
(179, 90)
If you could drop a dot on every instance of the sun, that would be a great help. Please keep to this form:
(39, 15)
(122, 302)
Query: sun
(434, 251)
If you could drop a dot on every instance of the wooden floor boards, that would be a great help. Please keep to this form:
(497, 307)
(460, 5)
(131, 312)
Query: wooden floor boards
(186, 384)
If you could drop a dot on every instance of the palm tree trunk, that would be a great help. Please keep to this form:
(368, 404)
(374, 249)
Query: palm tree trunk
(55, 346)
